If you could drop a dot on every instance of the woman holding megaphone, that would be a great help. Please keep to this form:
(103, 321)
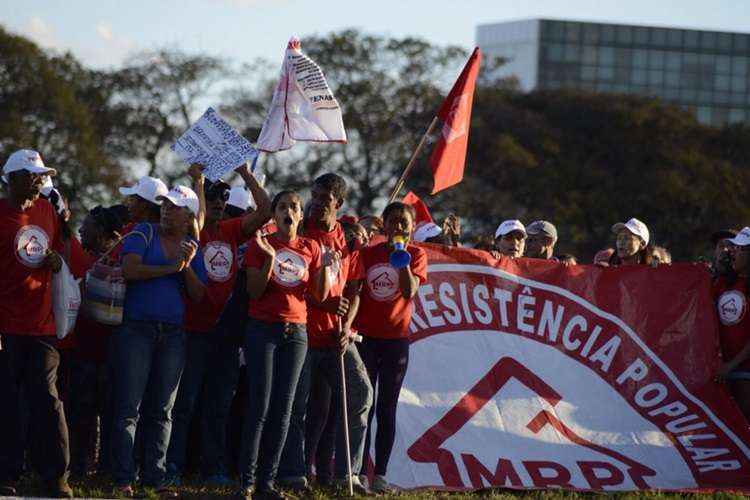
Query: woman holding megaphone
(385, 280)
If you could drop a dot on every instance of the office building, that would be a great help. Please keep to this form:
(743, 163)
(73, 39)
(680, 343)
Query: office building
(706, 72)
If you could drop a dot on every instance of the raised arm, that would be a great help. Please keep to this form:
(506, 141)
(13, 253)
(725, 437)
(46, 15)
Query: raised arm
(262, 213)
(196, 174)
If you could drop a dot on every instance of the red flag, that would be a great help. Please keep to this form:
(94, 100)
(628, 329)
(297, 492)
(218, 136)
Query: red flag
(424, 226)
(449, 156)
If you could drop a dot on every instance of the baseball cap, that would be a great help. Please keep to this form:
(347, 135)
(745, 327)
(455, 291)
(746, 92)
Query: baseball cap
(183, 196)
(635, 226)
(241, 198)
(29, 160)
(542, 227)
(742, 239)
(509, 226)
(723, 235)
(149, 188)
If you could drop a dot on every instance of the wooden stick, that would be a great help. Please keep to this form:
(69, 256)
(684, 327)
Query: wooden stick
(345, 419)
(410, 165)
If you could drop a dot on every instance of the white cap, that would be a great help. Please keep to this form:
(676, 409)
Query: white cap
(509, 226)
(426, 230)
(148, 188)
(241, 198)
(635, 226)
(29, 160)
(742, 239)
(183, 196)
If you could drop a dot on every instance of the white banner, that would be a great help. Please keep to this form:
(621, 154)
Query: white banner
(303, 107)
(213, 143)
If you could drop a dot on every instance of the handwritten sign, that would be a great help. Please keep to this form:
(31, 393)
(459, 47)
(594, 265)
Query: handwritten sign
(213, 143)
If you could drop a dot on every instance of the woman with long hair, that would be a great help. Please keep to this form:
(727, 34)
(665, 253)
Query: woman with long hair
(632, 244)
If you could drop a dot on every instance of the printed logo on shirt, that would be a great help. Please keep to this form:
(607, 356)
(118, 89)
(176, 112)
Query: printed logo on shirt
(731, 306)
(289, 268)
(218, 258)
(32, 244)
(382, 280)
(334, 270)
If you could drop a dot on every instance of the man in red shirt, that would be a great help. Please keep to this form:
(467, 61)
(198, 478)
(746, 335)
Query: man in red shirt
(325, 347)
(29, 231)
(210, 354)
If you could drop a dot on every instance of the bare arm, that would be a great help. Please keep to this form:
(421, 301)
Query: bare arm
(133, 268)
(262, 213)
(407, 282)
(196, 173)
(320, 285)
(193, 285)
(257, 279)
(351, 292)
(733, 363)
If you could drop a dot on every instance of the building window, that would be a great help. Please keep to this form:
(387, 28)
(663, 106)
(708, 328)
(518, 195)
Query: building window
(674, 38)
(688, 95)
(572, 32)
(722, 82)
(722, 97)
(655, 78)
(673, 61)
(589, 54)
(571, 53)
(656, 59)
(708, 41)
(608, 33)
(605, 73)
(738, 99)
(725, 42)
(555, 52)
(554, 30)
(723, 64)
(623, 57)
(622, 74)
(739, 84)
(639, 76)
(606, 56)
(640, 58)
(591, 33)
(739, 66)
(641, 36)
(588, 73)
(705, 97)
(672, 79)
(672, 94)
(625, 35)
(741, 42)
(604, 87)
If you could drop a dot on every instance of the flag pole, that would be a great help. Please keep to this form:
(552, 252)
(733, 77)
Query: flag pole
(412, 160)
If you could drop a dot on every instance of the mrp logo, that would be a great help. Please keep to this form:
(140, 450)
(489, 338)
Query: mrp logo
(31, 244)
(382, 282)
(597, 466)
(514, 382)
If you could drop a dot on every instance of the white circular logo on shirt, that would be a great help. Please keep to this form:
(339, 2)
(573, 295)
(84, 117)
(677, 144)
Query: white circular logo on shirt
(218, 258)
(289, 268)
(731, 307)
(382, 280)
(32, 244)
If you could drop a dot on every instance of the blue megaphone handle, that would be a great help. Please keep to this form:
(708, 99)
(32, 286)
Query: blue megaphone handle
(399, 257)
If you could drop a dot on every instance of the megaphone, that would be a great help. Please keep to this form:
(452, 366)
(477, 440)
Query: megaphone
(399, 257)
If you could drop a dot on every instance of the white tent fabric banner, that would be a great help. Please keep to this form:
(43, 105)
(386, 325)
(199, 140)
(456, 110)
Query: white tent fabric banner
(213, 143)
(303, 107)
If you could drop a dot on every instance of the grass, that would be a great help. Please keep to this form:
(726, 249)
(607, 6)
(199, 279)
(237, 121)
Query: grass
(100, 487)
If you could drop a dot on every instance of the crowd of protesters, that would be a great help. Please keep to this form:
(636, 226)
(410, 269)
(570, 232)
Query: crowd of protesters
(238, 315)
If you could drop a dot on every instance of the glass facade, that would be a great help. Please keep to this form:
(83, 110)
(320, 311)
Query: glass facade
(703, 71)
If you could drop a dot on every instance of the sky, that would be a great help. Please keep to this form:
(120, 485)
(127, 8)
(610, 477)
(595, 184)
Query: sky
(103, 33)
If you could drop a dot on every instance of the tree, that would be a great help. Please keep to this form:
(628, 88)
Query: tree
(52, 104)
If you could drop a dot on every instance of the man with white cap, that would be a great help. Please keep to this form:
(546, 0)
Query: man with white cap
(211, 356)
(632, 239)
(163, 267)
(29, 231)
(143, 200)
(541, 240)
(510, 238)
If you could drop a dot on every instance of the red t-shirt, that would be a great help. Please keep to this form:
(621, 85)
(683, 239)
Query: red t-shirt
(220, 258)
(284, 298)
(734, 320)
(321, 324)
(383, 312)
(25, 282)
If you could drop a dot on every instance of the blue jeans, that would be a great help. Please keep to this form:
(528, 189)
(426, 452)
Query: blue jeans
(144, 354)
(210, 377)
(326, 363)
(275, 353)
